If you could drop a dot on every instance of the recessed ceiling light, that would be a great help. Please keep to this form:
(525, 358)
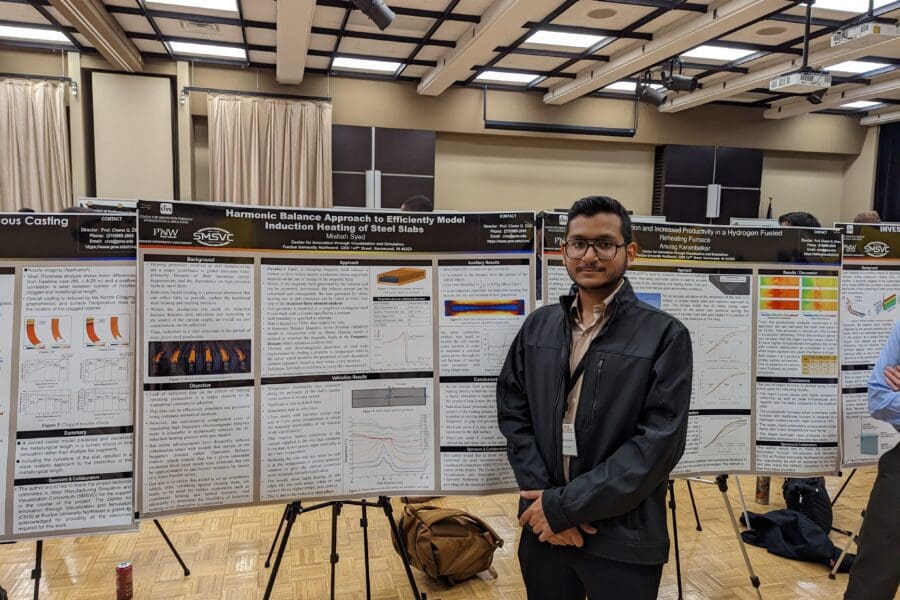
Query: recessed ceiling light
(860, 104)
(558, 38)
(365, 64)
(33, 34)
(856, 67)
(712, 52)
(207, 50)
(602, 13)
(767, 31)
(506, 77)
(223, 5)
(853, 6)
(628, 86)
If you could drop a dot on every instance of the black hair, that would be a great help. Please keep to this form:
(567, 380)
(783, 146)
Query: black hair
(418, 203)
(25, 209)
(592, 205)
(799, 219)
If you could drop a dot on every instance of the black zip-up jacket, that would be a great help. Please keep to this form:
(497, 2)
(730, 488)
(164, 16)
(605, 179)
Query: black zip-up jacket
(630, 425)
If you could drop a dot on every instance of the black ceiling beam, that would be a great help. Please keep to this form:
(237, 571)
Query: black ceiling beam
(619, 33)
(667, 4)
(243, 29)
(548, 53)
(408, 12)
(56, 24)
(383, 37)
(521, 39)
(340, 37)
(159, 35)
(428, 35)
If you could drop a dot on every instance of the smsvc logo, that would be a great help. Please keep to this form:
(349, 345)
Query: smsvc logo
(213, 236)
(877, 249)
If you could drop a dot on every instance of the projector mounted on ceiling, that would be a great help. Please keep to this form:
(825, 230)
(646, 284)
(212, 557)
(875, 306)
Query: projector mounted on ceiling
(806, 80)
(864, 34)
(801, 82)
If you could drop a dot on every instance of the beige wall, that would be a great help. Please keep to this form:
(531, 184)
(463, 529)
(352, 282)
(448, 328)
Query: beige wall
(492, 172)
(824, 164)
(858, 193)
(803, 183)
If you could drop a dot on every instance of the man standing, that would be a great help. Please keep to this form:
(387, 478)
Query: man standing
(593, 402)
(875, 574)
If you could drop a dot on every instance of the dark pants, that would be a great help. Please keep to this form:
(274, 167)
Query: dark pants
(876, 571)
(568, 573)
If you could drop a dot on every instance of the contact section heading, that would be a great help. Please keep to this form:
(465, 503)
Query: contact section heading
(737, 244)
(239, 227)
(69, 236)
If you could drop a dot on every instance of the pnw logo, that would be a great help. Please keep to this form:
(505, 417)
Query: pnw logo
(213, 236)
(877, 249)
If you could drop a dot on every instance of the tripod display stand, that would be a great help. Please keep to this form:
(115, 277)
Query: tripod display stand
(295, 509)
(722, 483)
(39, 551)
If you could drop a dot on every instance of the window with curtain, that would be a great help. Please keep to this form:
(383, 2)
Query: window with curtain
(269, 151)
(34, 146)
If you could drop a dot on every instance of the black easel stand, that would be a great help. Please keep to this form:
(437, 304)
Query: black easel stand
(835, 499)
(36, 573)
(844, 485)
(694, 505)
(39, 550)
(172, 547)
(294, 509)
(722, 482)
(675, 535)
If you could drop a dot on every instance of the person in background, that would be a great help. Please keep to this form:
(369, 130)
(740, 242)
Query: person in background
(867, 216)
(593, 401)
(25, 209)
(875, 574)
(798, 219)
(417, 203)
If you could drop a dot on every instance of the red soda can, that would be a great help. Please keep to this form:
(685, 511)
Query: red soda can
(124, 586)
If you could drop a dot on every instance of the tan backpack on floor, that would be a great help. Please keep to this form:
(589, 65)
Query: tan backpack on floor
(446, 543)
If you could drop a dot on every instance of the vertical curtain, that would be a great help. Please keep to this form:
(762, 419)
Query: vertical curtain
(887, 177)
(269, 151)
(34, 146)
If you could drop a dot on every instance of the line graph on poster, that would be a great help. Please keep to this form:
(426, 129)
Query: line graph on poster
(393, 447)
(103, 401)
(46, 370)
(45, 403)
(402, 348)
(725, 345)
(105, 370)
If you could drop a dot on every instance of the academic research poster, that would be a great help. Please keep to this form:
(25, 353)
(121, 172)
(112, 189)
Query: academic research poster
(292, 353)
(67, 301)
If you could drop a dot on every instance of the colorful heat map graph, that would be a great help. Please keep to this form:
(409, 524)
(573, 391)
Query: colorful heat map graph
(790, 293)
(463, 308)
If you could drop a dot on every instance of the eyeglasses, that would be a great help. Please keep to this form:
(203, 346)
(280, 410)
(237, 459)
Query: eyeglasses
(604, 249)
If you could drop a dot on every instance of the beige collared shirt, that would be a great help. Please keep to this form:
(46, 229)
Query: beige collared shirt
(582, 336)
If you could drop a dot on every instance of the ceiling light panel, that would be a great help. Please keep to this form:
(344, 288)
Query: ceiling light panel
(567, 40)
(713, 52)
(192, 49)
(505, 77)
(856, 67)
(220, 5)
(33, 34)
(365, 64)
